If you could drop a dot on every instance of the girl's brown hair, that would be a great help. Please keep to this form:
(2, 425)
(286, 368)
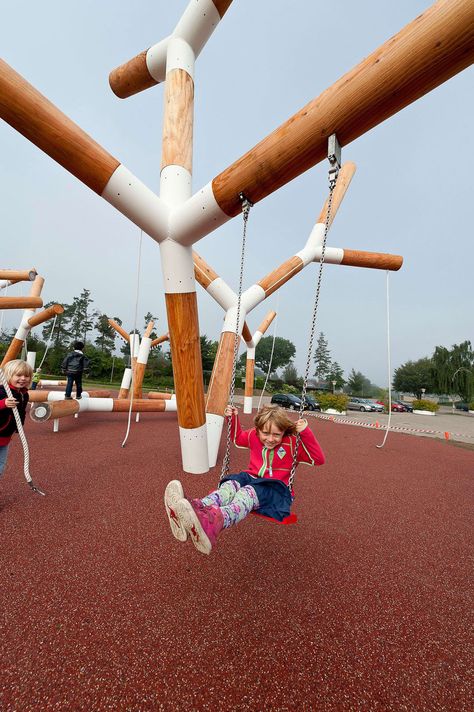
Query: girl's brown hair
(275, 415)
(17, 367)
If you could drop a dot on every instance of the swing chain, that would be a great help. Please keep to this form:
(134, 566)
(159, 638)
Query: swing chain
(334, 154)
(246, 205)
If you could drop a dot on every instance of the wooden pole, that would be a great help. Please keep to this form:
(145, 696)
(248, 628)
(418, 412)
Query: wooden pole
(41, 412)
(18, 275)
(431, 49)
(43, 316)
(177, 261)
(119, 330)
(160, 339)
(20, 302)
(23, 330)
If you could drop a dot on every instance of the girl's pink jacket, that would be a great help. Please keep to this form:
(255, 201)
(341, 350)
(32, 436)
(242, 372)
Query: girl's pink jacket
(277, 462)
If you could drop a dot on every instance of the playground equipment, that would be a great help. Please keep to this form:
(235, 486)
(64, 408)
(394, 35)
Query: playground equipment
(424, 54)
(29, 319)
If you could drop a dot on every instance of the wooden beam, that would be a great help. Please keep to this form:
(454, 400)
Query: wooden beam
(43, 316)
(18, 275)
(159, 340)
(20, 302)
(372, 260)
(342, 184)
(30, 113)
(119, 330)
(178, 120)
(427, 52)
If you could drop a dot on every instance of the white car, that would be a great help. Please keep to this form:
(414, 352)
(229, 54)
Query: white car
(364, 405)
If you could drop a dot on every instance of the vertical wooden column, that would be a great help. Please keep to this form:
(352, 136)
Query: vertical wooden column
(250, 365)
(177, 260)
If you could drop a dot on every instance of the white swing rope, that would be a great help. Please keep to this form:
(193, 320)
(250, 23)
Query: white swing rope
(21, 433)
(271, 354)
(133, 340)
(389, 365)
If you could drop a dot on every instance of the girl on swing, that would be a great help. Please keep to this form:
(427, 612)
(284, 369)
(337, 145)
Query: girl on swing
(262, 487)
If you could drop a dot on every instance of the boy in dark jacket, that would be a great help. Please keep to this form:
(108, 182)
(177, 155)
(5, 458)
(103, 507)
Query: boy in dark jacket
(74, 366)
(18, 375)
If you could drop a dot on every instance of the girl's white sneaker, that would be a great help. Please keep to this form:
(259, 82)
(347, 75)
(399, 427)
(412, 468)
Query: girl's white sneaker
(173, 494)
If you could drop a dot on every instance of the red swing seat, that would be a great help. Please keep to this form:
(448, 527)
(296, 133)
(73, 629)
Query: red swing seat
(290, 519)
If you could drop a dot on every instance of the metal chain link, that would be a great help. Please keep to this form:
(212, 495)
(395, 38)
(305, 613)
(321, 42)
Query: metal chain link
(246, 205)
(332, 182)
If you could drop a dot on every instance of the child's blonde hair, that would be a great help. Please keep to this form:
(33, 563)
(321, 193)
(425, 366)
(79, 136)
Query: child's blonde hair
(275, 415)
(17, 367)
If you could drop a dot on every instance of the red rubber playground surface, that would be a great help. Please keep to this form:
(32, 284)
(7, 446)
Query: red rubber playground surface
(364, 604)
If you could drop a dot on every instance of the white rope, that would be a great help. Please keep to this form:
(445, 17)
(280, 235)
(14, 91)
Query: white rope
(389, 365)
(133, 340)
(271, 354)
(21, 433)
(48, 343)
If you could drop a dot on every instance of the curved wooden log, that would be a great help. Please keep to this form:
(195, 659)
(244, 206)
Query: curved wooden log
(119, 330)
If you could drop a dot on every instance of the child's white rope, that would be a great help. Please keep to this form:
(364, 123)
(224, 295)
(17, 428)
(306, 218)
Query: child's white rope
(21, 433)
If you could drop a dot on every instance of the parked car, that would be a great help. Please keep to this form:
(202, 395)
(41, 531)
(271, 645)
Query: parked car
(311, 404)
(364, 404)
(406, 406)
(286, 400)
(462, 405)
(397, 406)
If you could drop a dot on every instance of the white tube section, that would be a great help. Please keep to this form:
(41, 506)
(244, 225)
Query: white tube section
(230, 320)
(222, 293)
(252, 296)
(31, 358)
(332, 255)
(156, 60)
(24, 328)
(248, 404)
(126, 379)
(195, 458)
(314, 241)
(180, 55)
(5, 283)
(134, 345)
(175, 185)
(197, 217)
(251, 353)
(197, 23)
(144, 350)
(55, 425)
(177, 267)
(133, 199)
(214, 431)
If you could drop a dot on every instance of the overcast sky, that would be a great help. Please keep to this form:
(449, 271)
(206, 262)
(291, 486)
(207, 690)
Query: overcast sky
(412, 193)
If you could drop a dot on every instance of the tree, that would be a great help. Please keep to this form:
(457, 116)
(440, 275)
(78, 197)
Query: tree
(283, 352)
(106, 338)
(453, 371)
(322, 359)
(290, 375)
(358, 384)
(412, 376)
(336, 373)
(208, 353)
(62, 328)
(82, 316)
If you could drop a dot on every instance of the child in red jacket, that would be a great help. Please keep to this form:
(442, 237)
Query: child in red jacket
(263, 487)
(18, 375)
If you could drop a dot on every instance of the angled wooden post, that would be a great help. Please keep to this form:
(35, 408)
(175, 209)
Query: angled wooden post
(250, 364)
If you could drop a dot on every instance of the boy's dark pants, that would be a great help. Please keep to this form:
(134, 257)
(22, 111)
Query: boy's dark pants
(71, 379)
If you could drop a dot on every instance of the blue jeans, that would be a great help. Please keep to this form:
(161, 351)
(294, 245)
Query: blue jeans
(3, 457)
(74, 378)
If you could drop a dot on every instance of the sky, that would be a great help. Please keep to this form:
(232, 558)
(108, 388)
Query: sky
(411, 195)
